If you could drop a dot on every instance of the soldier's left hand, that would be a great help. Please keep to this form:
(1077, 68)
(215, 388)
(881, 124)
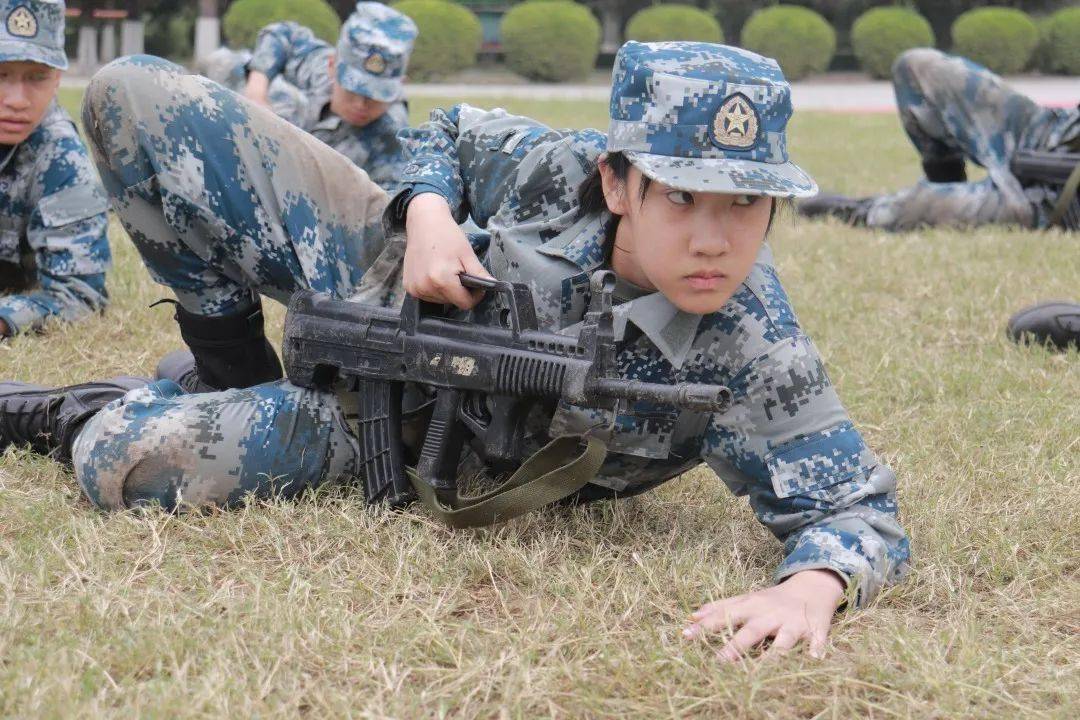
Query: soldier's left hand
(800, 609)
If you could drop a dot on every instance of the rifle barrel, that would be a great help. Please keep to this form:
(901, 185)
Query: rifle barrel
(691, 396)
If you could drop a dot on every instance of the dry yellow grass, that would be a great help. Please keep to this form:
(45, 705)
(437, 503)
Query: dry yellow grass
(321, 608)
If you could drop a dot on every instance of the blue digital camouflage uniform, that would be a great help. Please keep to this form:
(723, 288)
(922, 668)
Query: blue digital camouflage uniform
(787, 442)
(54, 249)
(372, 58)
(953, 108)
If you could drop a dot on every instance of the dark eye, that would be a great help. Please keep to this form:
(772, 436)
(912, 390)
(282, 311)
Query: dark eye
(746, 200)
(681, 197)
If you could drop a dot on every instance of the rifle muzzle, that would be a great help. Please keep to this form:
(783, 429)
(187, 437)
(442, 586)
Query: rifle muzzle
(689, 396)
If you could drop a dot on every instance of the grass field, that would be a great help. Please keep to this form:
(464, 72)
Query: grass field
(320, 608)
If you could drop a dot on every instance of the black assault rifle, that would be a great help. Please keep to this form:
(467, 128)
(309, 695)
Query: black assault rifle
(1052, 168)
(1061, 169)
(485, 379)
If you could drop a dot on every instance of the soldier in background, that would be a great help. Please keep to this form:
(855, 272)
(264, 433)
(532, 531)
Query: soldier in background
(226, 201)
(54, 248)
(955, 111)
(352, 97)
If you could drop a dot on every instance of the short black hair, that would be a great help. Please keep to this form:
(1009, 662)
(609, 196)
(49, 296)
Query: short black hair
(591, 192)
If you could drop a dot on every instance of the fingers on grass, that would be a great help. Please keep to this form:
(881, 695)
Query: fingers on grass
(722, 616)
(818, 639)
(783, 642)
(748, 636)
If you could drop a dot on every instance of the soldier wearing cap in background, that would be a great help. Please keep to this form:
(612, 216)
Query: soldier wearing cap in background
(351, 98)
(54, 248)
(225, 202)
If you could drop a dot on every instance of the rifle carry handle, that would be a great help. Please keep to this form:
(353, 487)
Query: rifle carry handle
(518, 300)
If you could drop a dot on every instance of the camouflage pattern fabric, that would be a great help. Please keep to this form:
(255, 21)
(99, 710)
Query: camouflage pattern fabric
(292, 52)
(53, 227)
(373, 51)
(700, 120)
(219, 195)
(33, 30)
(787, 442)
(953, 108)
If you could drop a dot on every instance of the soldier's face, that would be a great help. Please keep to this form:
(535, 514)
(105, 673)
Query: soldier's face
(357, 110)
(695, 248)
(26, 90)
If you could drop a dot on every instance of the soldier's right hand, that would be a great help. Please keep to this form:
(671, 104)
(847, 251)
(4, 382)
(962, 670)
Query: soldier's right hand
(436, 253)
(257, 89)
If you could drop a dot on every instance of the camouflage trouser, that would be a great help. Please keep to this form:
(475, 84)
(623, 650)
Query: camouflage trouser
(223, 200)
(954, 109)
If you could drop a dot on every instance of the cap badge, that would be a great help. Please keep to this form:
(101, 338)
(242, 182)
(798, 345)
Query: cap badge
(22, 23)
(375, 63)
(735, 124)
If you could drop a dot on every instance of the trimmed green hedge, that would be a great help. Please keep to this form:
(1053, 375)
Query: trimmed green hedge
(1062, 43)
(245, 18)
(797, 37)
(449, 37)
(878, 36)
(552, 40)
(1002, 39)
(673, 22)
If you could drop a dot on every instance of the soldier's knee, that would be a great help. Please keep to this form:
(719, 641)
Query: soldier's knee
(916, 62)
(122, 461)
(124, 80)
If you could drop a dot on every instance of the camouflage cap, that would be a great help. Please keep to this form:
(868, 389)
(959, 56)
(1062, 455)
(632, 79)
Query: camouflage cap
(373, 52)
(33, 30)
(705, 118)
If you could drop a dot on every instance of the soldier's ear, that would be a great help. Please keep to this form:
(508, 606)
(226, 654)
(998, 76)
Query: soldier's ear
(614, 188)
(331, 63)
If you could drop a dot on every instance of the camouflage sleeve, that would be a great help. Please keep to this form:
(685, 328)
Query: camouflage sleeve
(292, 51)
(68, 234)
(789, 445)
(471, 157)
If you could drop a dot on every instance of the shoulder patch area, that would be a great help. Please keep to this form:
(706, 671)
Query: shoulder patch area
(72, 204)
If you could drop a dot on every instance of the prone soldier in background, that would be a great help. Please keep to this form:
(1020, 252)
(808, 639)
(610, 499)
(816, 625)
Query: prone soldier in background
(54, 247)
(955, 111)
(676, 200)
(352, 97)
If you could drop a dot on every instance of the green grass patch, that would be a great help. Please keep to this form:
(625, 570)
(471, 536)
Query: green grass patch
(322, 608)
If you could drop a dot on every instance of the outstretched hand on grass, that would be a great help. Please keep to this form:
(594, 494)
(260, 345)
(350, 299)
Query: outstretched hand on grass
(436, 253)
(800, 609)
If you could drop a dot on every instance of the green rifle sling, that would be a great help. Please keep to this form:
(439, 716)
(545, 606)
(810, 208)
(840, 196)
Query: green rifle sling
(1068, 194)
(556, 471)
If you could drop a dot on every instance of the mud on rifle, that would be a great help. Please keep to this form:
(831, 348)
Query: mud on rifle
(485, 380)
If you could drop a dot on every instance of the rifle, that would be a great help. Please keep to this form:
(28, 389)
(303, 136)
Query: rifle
(1061, 169)
(1052, 168)
(485, 380)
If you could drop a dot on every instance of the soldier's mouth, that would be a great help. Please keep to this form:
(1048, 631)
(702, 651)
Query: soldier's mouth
(706, 280)
(8, 124)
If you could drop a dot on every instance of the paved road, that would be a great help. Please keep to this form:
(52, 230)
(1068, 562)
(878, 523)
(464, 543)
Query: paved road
(838, 94)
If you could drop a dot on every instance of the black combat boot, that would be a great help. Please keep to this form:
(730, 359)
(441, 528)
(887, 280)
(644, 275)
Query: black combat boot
(225, 352)
(850, 210)
(948, 170)
(1057, 323)
(48, 419)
